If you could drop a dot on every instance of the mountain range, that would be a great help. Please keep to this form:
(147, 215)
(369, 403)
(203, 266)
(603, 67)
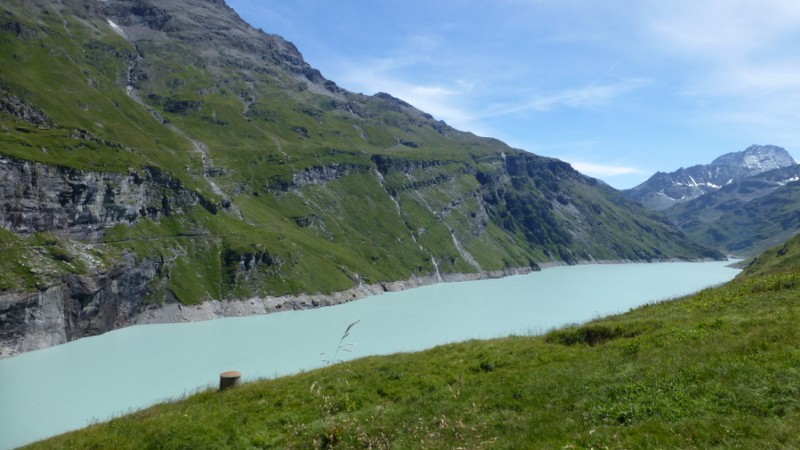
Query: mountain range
(663, 190)
(741, 204)
(164, 160)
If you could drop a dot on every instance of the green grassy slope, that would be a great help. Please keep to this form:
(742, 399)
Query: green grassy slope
(784, 258)
(732, 222)
(68, 69)
(718, 369)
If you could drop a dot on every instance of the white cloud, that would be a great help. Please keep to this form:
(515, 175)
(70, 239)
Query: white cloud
(736, 58)
(603, 170)
(453, 103)
(589, 96)
(443, 101)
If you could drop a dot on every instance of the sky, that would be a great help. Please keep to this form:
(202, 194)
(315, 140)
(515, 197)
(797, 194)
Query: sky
(619, 89)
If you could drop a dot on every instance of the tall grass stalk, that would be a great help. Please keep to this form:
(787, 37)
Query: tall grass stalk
(341, 346)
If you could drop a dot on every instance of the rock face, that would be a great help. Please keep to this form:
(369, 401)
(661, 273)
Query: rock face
(663, 190)
(15, 107)
(81, 305)
(83, 205)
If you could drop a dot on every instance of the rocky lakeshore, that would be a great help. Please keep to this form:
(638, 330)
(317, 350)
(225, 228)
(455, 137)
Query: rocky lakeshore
(54, 316)
(40, 320)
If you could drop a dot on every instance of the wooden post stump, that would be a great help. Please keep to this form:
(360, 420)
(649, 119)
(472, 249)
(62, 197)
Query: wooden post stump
(229, 379)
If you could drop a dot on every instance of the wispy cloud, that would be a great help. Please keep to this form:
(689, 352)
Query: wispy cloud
(603, 170)
(742, 60)
(445, 101)
(722, 29)
(590, 96)
(459, 103)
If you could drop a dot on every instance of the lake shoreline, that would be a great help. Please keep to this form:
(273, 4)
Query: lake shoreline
(217, 309)
(52, 334)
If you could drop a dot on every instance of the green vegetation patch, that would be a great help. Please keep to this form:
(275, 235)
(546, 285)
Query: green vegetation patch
(592, 334)
(780, 259)
(37, 261)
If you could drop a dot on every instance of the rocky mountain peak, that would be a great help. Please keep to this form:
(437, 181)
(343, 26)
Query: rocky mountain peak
(210, 36)
(758, 158)
(663, 190)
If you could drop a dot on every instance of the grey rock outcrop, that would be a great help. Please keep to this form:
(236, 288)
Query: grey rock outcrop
(30, 321)
(16, 107)
(81, 204)
(79, 306)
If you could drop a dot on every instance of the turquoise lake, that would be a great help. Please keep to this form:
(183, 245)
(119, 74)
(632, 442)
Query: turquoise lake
(50, 391)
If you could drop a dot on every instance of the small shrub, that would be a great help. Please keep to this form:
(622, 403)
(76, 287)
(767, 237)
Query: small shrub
(633, 347)
(589, 335)
(486, 366)
(59, 253)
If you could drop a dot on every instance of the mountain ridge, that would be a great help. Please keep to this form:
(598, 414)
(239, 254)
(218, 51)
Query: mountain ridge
(664, 190)
(756, 208)
(174, 156)
(746, 217)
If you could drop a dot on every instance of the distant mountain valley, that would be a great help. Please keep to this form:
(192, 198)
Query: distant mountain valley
(741, 203)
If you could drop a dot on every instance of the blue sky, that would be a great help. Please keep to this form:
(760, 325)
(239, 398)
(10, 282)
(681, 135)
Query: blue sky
(619, 89)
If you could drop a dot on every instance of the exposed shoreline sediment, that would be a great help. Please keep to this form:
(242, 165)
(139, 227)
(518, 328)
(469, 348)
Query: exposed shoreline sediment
(215, 309)
(51, 319)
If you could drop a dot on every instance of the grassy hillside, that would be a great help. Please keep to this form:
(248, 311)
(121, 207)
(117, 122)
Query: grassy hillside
(304, 187)
(744, 218)
(719, 369)
(784, 258)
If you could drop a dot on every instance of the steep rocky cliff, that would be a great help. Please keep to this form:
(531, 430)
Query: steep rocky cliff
(81, 204)
(166, 161)
(59, 217)
(78, 305)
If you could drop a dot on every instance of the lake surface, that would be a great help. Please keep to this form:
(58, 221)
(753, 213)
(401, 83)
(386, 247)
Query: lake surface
(50, 391)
